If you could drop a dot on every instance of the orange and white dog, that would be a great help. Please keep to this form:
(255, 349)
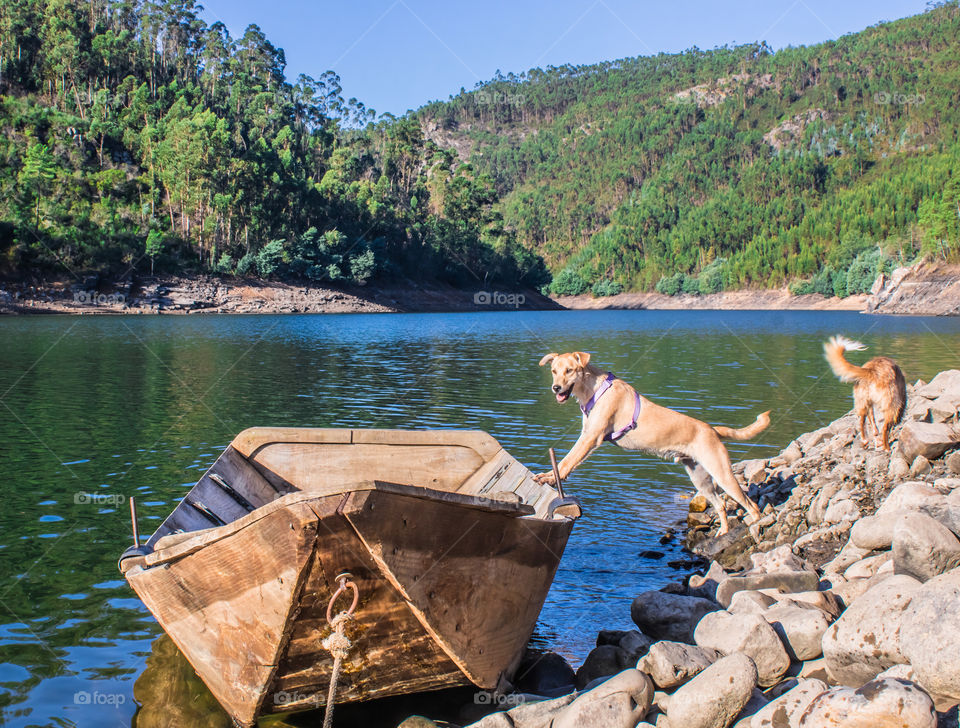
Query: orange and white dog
(614, 411)
(878, 384)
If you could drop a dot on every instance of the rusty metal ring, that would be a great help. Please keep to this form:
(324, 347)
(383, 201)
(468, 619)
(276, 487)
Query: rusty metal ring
(344, 583)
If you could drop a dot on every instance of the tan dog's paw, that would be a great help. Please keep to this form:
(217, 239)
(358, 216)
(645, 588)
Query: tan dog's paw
(545, 478)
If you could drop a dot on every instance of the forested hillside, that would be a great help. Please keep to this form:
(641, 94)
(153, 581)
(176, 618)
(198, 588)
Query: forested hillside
(133, 137)
(732, 167)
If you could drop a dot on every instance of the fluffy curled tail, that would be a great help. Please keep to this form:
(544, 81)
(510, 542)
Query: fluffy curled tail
(745, 433)
(834, 349)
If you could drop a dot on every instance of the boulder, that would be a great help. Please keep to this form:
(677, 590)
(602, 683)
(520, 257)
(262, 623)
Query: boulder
(930, 635)
(875, 533)
(532, 713)
(923, 547)
(785, 711)
(913, 496)
(930, 439)
(706, 586)
(544, 673)
(898, 468)
(883, 702)
(749, 634)
(865, 568)
(842, 509)
(866, 638)
(946, 381)
(750, 602)
(620, 702)
(920, 466)
(670, 664)
(602, 661)
(953, 462)
(635, 644)
(825, 601)
(669, 616)
(791, 454)
(800, 630)
(755, 471)
(787, 581)
(715, 697)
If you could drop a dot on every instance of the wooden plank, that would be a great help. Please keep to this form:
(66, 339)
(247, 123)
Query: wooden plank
(228, 606)
(391, 653)
(476, 580)
(253, 438)
(324, 466)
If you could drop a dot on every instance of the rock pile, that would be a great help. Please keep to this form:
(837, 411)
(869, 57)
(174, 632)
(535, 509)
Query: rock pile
(840, 607)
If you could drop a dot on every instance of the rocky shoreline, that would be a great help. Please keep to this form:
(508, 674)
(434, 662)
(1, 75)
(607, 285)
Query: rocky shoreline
(840, 607)
(211, 294)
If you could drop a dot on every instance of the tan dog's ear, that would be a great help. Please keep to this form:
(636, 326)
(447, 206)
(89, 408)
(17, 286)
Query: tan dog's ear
(548, 358)
(583, 358)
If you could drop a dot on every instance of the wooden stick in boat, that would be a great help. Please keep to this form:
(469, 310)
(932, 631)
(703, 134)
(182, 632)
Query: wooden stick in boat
(556, 471)
(133, 520)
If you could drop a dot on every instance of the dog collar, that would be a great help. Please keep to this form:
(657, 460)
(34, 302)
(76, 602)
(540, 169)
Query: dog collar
(591, 403)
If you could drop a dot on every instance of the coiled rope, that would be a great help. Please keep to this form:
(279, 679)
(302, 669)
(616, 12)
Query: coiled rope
(337, 643)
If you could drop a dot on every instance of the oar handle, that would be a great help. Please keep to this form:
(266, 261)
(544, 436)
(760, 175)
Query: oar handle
(133, 521)
(556, 471)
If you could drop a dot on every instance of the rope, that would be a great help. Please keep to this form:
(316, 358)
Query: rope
(337, 643)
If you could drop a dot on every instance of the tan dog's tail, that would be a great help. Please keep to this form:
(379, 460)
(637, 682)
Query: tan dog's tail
(745, 433)
(834, 349)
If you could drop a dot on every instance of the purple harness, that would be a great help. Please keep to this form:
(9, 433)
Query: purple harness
(588, 407)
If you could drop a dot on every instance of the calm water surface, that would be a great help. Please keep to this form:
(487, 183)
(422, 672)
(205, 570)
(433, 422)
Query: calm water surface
(98, 409)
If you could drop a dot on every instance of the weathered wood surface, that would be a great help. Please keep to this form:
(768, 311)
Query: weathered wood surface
(452, 575)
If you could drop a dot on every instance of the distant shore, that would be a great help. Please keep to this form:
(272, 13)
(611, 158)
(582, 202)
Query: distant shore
(921, 290)
(728, 300)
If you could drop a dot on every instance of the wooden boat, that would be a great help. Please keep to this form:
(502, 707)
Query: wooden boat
(450, 542)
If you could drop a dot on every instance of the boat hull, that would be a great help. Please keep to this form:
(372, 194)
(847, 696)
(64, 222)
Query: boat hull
(450, 589)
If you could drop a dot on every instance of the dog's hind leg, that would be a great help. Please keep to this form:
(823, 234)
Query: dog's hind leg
(716, 461)
(871, 414)
(708, 489)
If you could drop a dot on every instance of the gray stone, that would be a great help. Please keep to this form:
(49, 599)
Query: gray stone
(620, 702)
(785, 711)
(602, 661)
(930, 635)
(920, 466)
(849, 554)
(953, 462)
(749, 634)
(670, 664)
(930, 439)
(750, 602)
(885, 702)
(791, 454)
(946, 381)
(899, 467)
(544, 673)
(669, 616)
(635, 644)
(875, 533)
(865, 568)
(756, 703)
(842, 509)
(800, 630)
(538, 713)
(913, 496)
(923, 547)
(715, 697)
(825, 601)
(417, 721)
(755, 471)
(849, 591)
(789, 581)
(866, 638)
(706, 586)
(944, 407)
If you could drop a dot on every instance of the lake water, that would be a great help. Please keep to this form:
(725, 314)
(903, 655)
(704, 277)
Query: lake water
(118, 406)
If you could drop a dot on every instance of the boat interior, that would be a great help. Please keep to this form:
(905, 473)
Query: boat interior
(264, 466)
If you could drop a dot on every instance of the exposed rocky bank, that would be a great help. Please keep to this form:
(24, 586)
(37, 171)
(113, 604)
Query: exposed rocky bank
(211, 294)
(840, 607)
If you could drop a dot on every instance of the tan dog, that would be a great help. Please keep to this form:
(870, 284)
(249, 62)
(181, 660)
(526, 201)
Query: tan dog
(613, 410)
(878, 384)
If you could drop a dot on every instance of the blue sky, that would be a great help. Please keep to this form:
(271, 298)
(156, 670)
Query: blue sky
(395, 55)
